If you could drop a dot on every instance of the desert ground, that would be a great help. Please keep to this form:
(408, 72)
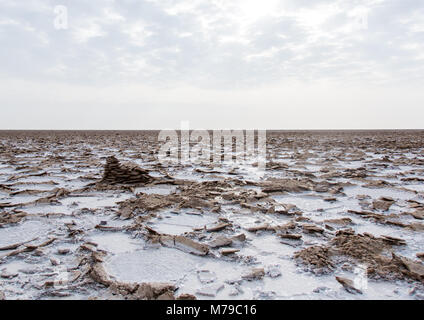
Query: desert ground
(95, 215)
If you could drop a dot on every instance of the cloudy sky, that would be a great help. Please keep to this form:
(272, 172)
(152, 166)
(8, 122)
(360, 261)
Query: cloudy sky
(150, 64)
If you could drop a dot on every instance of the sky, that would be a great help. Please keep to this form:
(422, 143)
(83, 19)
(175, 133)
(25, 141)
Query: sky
(229, 64)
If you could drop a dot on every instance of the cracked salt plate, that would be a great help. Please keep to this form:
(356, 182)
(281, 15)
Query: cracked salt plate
(158, 189)
(95, 202)
(375, 193)
(25, 231)
(312, 167)
(305, 202)
(210, 290)
(18, 199)
(191, 176)
(152, 265)
(43, 187)
(117, 243)
(415, 187)
(70, 204)
(74, 184)
(178, 224)
(225, 273)
(39, 179)
(15, 267)
(267, 249)
(206, 276)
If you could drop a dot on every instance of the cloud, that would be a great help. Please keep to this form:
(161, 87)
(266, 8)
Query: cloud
(205, 43)
(216, 45)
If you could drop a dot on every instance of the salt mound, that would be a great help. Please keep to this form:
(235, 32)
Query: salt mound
(115, 173)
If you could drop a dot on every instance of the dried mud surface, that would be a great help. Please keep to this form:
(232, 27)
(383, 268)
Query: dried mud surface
(95, 215)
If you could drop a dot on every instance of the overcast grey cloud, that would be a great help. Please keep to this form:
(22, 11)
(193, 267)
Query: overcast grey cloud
(245, 63)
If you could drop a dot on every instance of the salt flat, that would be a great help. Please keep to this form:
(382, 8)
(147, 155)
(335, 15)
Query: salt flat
(332, 206)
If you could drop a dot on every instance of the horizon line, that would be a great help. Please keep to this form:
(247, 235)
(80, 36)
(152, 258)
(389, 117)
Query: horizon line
(212, 129)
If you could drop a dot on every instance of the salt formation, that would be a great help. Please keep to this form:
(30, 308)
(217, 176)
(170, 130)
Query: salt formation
(117, 173)
(336, 215)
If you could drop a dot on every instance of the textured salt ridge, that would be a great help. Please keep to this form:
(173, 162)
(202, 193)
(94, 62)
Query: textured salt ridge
(116, 173)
